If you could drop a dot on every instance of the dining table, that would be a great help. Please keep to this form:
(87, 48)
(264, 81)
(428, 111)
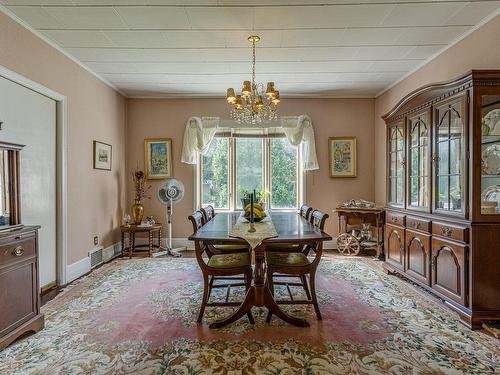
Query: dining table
(291, 228)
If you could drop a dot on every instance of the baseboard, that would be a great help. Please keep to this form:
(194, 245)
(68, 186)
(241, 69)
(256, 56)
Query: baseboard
(81, 267)
(111, 252)
(330, 245)
(77, 269)
(176, 242)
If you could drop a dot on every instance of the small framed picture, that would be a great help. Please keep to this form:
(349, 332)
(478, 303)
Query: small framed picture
(158, 158)
(102, 155)
(342, 155)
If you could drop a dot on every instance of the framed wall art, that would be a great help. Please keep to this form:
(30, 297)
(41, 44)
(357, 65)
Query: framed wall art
(102, 155)
(342, 156)
(158, 158)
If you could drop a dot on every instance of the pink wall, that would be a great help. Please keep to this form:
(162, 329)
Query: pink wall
(479, 50)
(95, 111)
(147, 118)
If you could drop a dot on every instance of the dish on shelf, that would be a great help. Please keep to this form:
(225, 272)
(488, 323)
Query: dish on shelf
(490, 159)
(491, 121)
(491, 194)
(488, 208)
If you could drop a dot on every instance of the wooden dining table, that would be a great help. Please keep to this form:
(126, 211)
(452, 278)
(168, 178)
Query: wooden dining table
(291, 228)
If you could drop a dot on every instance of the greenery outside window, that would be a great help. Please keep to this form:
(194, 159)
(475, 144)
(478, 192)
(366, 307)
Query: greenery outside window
(233, 165)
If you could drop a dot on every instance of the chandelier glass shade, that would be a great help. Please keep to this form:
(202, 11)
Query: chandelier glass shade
(256, 103)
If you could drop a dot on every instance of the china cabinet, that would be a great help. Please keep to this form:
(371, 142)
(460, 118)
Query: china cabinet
(443, 193)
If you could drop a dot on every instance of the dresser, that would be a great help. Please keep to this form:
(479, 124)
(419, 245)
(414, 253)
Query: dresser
(19, 272)
(443, 193)
(19, 293)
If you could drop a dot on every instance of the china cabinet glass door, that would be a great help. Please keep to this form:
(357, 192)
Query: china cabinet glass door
(449, 156)
(490, 155)
(418, 162)
(396, 165)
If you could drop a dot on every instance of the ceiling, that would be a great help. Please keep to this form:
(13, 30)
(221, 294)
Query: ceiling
(196, 48)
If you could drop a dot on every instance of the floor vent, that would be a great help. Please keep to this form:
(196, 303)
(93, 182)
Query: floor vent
(96, 257)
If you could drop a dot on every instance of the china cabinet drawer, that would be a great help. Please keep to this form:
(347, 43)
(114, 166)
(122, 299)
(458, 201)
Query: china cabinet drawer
(416, 223)
(450, 231)
(395, 219)
(449, 270)
(17, 251)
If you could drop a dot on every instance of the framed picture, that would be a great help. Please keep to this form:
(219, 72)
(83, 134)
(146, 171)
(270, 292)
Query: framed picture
(342, 155)
(102, 156)
(158, 158)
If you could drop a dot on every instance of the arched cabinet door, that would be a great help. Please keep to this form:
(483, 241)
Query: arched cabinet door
(394, 246)
(449, 270)
(418, 255)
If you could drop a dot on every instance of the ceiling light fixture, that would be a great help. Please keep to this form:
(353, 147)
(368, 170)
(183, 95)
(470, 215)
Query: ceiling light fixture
(250, 107)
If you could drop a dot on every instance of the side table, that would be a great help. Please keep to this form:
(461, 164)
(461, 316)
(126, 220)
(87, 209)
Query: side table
(152, 231)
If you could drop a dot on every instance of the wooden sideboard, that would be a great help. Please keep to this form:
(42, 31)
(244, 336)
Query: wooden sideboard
(441, 231)
(19, 285)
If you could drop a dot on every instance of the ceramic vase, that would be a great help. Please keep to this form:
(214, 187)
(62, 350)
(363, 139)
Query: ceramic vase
(137, 212)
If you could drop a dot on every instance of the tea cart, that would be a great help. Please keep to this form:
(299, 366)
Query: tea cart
(360, 228)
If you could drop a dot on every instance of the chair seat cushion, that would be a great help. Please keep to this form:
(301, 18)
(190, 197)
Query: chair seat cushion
(229, 260)
(286, 259)
(231, 247)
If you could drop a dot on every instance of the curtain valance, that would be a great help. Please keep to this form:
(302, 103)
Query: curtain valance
(298, 130)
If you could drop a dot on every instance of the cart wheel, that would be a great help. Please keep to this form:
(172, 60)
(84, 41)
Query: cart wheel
(348, 244)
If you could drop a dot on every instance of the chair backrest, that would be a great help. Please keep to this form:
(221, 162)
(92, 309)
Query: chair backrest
(305, 211)
(318, 219)
(208, 213)
(197, 220)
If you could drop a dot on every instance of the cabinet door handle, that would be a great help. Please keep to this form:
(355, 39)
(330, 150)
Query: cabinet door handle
(18, 251)
(446, 231)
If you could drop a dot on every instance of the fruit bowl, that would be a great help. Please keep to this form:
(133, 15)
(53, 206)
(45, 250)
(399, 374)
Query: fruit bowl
(255, 219)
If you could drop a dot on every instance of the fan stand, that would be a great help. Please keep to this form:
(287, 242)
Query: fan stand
(169, 250)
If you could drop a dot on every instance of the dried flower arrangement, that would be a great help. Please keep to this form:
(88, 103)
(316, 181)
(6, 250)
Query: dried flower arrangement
(141, 190)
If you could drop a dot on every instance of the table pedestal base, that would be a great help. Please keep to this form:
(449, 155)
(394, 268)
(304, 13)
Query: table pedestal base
(259, 295)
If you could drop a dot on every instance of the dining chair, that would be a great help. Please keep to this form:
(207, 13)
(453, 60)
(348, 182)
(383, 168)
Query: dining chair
(220, 267)
(305, 211)
(298, 264)
(208, 213)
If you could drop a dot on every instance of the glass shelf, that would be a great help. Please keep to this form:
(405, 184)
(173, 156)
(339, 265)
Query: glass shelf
(487, 139)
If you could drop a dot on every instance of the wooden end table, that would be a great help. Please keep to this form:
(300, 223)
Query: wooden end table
(150, 247)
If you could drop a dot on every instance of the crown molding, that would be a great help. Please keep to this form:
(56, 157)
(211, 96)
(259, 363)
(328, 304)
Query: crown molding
(483, 22)
(315, 96)
(24, 24)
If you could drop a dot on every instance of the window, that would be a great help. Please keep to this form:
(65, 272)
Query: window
(215, 174)
(232, 166)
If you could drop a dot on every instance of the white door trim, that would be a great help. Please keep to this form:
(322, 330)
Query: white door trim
(61, 165)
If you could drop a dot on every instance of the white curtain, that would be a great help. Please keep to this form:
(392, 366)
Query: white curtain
(197, 137)
(298, 130)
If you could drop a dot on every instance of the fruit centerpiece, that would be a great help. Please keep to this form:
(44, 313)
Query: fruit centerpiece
(258, 212)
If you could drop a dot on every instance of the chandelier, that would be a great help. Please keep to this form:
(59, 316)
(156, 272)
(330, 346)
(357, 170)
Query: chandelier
(250, 107)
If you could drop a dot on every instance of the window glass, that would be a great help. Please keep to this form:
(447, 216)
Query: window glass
(249, 171)
(215, 174)
(283, 174)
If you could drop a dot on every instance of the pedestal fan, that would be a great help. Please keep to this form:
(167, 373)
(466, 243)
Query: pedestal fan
(169, 193)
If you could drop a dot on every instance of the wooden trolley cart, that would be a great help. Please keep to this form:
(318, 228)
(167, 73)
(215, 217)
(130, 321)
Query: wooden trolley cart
(351, 239)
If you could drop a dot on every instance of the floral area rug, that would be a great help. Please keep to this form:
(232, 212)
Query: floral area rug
(139, 317)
